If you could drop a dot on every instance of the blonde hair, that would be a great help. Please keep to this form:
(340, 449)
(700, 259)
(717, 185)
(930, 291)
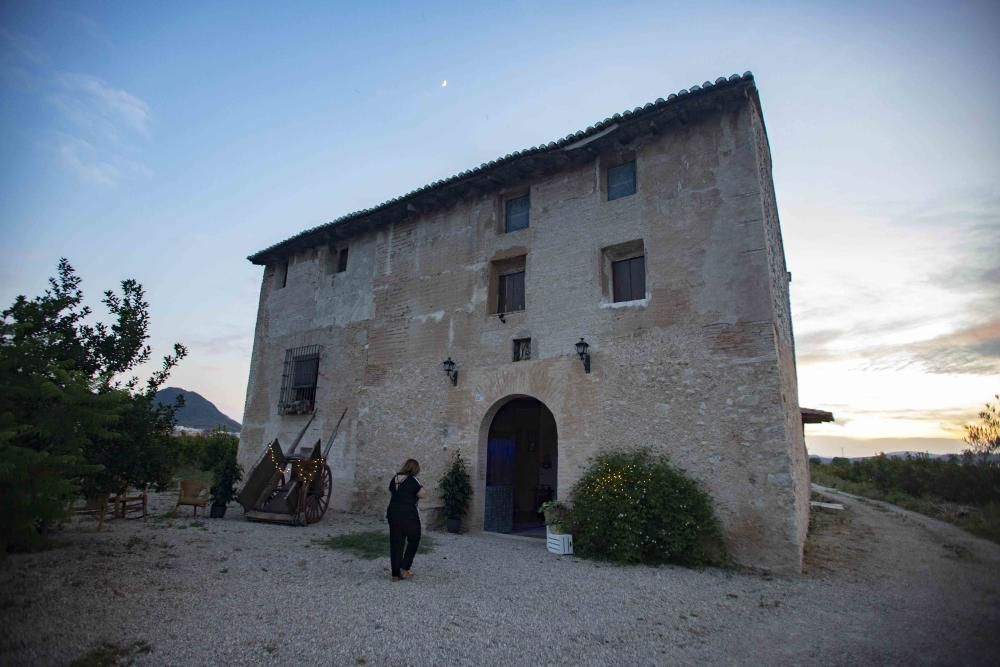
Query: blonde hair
(411, 468)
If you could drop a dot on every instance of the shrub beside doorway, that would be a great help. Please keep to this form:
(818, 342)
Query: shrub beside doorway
(635, 507)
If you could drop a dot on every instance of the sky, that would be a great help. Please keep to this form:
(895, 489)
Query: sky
(167, 141)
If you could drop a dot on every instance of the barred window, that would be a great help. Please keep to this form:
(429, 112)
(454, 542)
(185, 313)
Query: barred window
(522, 349)
(298, 382)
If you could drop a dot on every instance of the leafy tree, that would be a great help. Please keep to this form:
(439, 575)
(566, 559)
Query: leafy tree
(69, 418)
(984, 438)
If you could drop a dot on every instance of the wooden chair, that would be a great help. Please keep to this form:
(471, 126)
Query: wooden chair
(193, 492)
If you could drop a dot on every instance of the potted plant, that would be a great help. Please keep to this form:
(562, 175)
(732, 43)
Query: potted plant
(556, 517)
(456, 490)
(220, 459)
(557, 526)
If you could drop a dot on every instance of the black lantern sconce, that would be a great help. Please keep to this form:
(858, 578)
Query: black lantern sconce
(449, 369)
(581, 349)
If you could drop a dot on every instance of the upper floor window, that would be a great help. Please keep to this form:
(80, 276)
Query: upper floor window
(281, 274)
(298, 382)
(522, 349)
(342, 260)
(510, 296)
(628, 279)
(621, 180)
(516, 213)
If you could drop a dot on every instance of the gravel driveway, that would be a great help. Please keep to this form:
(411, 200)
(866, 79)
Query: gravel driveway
(882, 586)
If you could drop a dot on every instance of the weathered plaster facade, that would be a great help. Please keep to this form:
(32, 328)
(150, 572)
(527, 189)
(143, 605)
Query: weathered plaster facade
(702, 368)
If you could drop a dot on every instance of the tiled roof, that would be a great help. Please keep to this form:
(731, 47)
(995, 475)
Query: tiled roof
(684, 94)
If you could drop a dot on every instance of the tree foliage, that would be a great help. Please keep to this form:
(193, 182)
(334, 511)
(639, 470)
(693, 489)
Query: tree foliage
(73, 417)
(984, 438)
(960, 479)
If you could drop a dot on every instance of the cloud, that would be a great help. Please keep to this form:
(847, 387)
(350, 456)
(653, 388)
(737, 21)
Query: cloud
(89, 101)
(973, 349)
(101, 127)
(240, 344)
(19, 47)
(920, 291)
(81, 157)
(93, 165)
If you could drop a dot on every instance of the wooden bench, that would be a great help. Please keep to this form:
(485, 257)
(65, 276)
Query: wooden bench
(137, 502)
(99, 506)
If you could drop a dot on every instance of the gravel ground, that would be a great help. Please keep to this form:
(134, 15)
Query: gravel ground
(882, 586)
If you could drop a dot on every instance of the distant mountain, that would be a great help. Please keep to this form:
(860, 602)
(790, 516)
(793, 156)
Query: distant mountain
(891, 455)
(198, 412)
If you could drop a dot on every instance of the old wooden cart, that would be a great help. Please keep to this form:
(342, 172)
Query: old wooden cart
(289, 488)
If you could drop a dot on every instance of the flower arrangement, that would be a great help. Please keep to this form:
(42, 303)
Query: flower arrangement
(557, 516)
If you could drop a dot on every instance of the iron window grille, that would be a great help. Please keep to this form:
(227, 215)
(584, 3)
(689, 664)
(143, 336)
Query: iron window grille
(621, 180)
(298, 382)
(522, 349)
(629, 279)
(516, 214)
(510, 296)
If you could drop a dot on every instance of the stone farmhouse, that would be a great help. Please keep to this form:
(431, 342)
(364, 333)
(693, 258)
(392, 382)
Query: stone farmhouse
(624, 286)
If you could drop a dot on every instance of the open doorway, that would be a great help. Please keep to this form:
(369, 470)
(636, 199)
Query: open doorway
(521, 467)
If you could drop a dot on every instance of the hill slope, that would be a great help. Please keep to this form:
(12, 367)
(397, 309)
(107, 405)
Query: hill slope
(198, 411)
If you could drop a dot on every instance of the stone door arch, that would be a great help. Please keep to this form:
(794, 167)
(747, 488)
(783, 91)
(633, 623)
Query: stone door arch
(522, 458)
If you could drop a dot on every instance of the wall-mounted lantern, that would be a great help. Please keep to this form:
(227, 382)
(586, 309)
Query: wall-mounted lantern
(449, 369)
(581, 349)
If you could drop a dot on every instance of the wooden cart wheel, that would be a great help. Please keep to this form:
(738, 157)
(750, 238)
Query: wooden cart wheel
(318, 496)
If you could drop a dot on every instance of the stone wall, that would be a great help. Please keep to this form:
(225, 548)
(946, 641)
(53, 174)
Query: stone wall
(701, 368)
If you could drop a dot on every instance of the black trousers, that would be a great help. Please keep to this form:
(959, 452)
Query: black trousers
(404, 538)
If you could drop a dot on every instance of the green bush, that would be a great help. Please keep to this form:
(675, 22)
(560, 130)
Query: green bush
(964, 490)
(219, 457)
(456, 488)
(634, 507)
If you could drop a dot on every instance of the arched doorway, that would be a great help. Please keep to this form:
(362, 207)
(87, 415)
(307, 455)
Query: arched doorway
(521, 467)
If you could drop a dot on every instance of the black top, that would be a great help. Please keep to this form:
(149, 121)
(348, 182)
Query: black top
(404, 497)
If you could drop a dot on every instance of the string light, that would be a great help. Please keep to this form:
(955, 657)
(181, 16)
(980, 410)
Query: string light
(305, 470)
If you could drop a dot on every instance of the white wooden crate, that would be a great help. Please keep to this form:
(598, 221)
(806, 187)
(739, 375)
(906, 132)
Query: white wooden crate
(558, 543)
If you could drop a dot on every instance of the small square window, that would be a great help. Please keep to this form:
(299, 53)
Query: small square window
(628, 279)
(510, 296)
(621, 180)
(342, 260)
(516, 214)
(522, 349)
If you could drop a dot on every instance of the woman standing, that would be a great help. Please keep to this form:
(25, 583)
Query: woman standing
(404, 522)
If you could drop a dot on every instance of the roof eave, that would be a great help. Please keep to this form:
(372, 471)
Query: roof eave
(652, 118)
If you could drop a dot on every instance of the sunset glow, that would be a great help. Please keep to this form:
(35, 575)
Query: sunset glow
(158, 142)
